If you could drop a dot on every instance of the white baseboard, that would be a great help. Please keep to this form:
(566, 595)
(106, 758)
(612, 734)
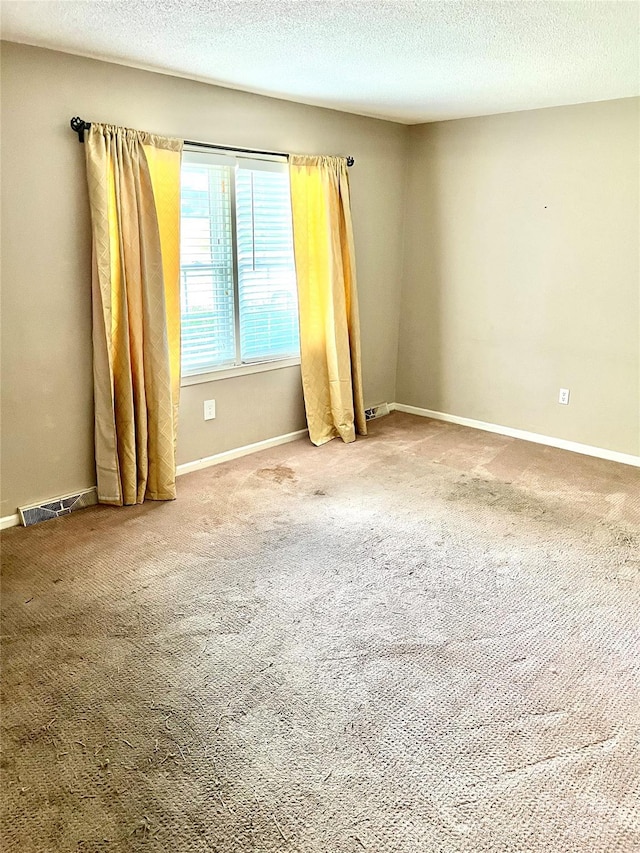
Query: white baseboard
(9, 521)
(237, 452)
(561, 443)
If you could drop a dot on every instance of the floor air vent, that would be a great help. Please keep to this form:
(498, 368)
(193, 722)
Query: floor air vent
(376, 411)
(55, 507)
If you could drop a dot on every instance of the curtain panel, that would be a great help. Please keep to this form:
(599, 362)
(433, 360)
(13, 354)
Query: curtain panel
(134, 194)
(327, 297)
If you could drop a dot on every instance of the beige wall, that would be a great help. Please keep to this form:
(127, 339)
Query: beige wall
(46, 347)
(521, 272)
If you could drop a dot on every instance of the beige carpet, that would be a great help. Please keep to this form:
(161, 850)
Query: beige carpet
(426, 641)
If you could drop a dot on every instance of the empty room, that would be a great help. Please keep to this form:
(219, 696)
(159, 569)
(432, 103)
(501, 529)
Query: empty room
(320, 426)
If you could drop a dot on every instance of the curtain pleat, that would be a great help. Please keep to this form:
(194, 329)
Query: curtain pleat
(134, 195)
(327, 298)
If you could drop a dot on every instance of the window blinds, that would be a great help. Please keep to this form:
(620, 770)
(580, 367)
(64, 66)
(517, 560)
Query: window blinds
(238, 285)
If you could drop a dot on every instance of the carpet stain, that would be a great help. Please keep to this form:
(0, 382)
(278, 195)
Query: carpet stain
(279, 474)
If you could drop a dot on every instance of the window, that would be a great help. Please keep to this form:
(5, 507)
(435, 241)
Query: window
(237, 275)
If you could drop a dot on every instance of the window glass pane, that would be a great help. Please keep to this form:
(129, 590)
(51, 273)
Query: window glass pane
(266, 271)
(206, 267)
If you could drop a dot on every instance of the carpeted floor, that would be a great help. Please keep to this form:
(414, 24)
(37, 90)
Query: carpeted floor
(426, 642)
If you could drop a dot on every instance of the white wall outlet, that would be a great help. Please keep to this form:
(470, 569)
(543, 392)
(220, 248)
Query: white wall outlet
(563, 397)
(209, 410)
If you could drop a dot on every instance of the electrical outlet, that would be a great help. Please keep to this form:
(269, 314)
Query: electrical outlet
(209, 410)
(563, 397)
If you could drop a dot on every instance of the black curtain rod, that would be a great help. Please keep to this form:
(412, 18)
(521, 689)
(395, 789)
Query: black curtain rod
(79, 126)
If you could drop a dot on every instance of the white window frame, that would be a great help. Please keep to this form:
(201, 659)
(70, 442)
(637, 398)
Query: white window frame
(239, 368)
(228, 372)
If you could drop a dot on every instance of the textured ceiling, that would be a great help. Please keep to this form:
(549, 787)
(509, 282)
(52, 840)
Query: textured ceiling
(400, 59)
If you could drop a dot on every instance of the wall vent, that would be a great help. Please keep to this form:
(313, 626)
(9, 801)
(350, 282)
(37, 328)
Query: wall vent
(376, 411)
(55, 507)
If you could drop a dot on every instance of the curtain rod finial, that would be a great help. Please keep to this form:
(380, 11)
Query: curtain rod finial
(79, 125)
(350, 161)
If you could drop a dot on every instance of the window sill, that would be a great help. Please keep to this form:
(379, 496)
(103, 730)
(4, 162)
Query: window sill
(239, 370)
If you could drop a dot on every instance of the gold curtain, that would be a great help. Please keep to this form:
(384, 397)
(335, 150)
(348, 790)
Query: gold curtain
(134, 195)
(327, 297)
